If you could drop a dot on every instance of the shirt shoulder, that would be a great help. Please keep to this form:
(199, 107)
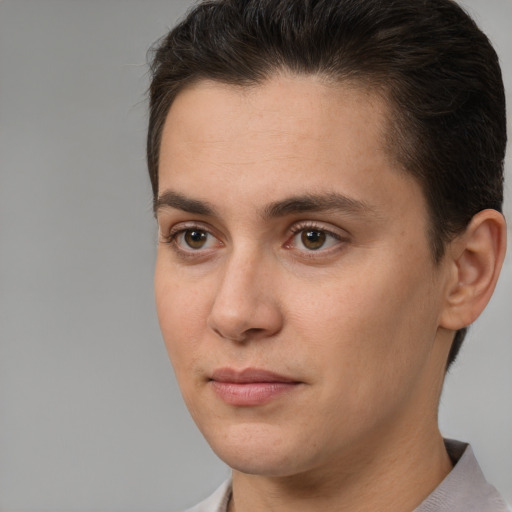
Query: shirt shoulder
(465, 488)
(217, 502)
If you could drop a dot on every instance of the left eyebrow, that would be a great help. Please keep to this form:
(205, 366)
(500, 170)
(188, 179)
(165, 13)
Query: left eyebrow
(180, 202)
(318, 203)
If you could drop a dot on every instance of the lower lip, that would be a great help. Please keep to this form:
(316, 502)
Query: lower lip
(245, 394)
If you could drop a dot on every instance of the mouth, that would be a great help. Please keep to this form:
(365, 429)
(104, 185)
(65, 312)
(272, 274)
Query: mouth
(250, 387)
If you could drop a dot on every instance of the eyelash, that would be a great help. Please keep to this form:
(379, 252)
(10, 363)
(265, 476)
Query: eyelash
(172, 238)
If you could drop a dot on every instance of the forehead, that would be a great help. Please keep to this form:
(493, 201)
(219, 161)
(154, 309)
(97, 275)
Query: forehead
(285, 137)
(297, 109)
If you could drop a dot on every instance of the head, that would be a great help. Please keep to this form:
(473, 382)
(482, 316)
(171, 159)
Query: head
(447, 124)
(325, 177)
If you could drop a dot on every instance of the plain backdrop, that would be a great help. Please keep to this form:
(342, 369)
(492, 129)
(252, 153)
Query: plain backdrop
(90, 415)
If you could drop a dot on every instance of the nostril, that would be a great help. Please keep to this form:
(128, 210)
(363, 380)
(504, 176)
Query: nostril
(243, 337)
(238, 338)
(252, 333)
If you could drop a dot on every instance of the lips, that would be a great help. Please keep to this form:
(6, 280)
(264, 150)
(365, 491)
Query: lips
(250, 387)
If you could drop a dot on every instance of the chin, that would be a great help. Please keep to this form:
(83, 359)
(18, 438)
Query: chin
(260, 463)
(260, 450)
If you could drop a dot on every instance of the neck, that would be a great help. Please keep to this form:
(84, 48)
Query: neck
(395, 479)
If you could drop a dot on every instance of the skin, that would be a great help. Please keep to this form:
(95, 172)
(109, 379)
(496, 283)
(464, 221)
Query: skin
(361, 324)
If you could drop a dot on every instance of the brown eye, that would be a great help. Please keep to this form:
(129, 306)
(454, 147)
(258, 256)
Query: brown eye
(195, 238)
(313, 239)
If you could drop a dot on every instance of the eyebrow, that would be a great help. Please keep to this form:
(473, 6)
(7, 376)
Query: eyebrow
(317, 203)
(176, 200)
(293, 205)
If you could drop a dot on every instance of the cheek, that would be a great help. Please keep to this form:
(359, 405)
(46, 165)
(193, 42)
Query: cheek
(181, 309)
(181, 320)
(375, 323)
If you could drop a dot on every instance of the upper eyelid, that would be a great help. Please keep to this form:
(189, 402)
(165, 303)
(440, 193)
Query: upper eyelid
(335, 231)
(185, 226)
(179, 227)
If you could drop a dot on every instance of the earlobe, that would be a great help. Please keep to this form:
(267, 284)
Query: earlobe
(476, 257)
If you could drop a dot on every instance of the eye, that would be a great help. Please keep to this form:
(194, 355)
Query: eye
(313, 238)
(190, 240)
(194, 239)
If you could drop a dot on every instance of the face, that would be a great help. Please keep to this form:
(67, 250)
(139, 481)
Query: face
(294, 281)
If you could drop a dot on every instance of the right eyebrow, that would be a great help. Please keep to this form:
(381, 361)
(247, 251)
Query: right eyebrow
(318, 203)
(178, 201)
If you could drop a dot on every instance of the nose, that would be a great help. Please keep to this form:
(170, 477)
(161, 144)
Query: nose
(246, 306)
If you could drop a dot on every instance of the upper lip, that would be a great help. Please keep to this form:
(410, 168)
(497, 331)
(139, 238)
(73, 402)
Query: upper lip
(248, 375)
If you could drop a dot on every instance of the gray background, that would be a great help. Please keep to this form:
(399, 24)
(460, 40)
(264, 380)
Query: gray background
(90, 414)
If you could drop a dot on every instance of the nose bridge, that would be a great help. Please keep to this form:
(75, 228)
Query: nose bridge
(245, 304)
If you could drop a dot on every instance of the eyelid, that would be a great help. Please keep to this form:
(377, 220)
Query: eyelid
(188, 225)
(302, 225)
(178, 227)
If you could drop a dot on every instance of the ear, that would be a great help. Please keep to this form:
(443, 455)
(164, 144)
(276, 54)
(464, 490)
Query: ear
(475, 260)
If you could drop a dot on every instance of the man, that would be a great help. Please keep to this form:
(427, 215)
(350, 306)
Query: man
(327, 181)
